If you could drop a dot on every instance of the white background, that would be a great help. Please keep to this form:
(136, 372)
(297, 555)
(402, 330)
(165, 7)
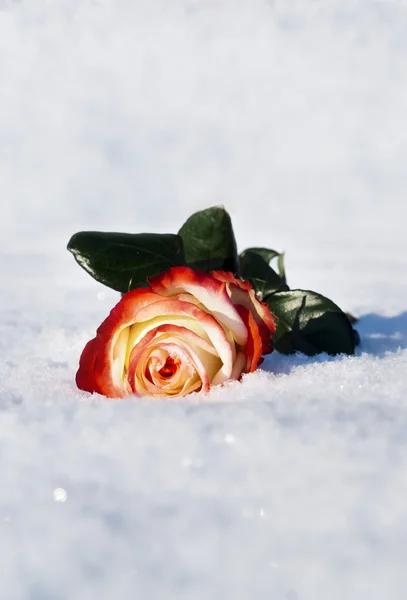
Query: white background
(127, 116)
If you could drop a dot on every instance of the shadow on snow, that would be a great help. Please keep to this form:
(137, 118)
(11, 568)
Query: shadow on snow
(382, 334)
(379, 335)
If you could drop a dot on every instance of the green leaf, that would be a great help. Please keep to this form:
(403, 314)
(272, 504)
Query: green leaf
(281, 267)
(267, 255)
(123, 261)
(310, 323)
(263, 278)
(209, 241)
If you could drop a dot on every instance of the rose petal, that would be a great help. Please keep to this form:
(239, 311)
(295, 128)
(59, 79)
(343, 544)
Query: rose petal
(184, 373)
(254, 346)
(201, 350)
(242, 292)
(207, 290)
(119, 353)
(178, 341)
(214, 331)
(239, 366)
(85, 376)
(96, 367)
(138, 330)
(190, 375)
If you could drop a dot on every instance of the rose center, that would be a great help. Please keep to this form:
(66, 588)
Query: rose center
(169, 369)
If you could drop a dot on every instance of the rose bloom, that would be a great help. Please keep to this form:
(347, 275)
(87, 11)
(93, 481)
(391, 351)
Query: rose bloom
(187, 332)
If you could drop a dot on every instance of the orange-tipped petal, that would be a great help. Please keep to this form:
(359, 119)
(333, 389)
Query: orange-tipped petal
(254, 345)
(242, 293)
(97, 372)
(210, 292)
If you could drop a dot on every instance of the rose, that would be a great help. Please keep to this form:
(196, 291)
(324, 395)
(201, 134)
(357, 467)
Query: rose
(186, 332)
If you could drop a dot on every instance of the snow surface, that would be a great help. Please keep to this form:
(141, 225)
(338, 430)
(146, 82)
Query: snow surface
(128, 116)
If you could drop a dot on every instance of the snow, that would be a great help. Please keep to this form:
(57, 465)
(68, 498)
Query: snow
(129, 116)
